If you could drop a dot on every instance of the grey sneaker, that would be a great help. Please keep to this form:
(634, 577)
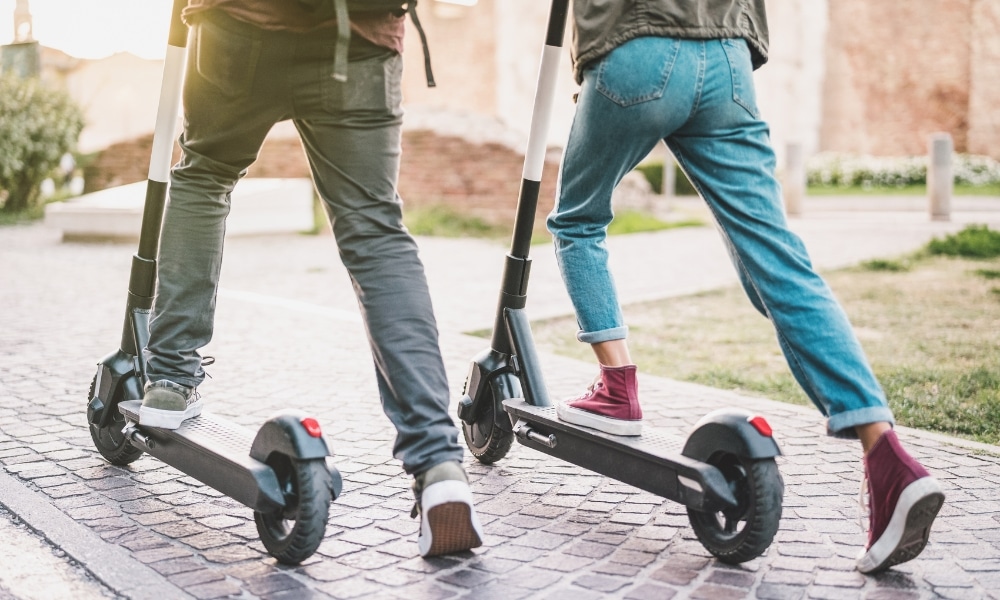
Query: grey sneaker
(166, 404)
(448, 521)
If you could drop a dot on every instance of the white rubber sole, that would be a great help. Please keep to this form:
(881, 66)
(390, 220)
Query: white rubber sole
(909, 528)
(567, 413)
(168, 419)
(448, 522)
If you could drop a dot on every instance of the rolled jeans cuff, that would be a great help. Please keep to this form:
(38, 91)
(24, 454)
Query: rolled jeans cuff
(604, 335)
(842, 425)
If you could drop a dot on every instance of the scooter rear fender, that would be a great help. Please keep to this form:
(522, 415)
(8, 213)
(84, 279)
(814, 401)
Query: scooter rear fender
(286, 433)
(731, 430)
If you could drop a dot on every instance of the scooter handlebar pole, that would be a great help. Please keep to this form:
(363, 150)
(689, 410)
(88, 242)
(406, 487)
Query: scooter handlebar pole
(142, 279)
(514, 282)
(541, 116)
(164, 133)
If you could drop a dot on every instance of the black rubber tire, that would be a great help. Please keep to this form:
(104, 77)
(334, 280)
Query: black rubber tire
(744, 532)
(293, 534)
(109, 440)
(490, 437)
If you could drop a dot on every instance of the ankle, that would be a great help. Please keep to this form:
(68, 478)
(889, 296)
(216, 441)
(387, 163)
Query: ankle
(871, 433)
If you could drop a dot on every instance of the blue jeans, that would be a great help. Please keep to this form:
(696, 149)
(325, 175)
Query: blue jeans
(240, 81)
(698, 96)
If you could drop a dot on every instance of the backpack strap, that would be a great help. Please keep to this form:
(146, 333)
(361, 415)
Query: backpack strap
(342, 48)
(343, 40)
(411, 9)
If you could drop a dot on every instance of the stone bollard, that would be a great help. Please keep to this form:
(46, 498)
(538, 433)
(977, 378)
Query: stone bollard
(794, 184)
(940, 180)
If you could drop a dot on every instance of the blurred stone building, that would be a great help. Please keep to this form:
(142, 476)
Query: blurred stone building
(850, 76)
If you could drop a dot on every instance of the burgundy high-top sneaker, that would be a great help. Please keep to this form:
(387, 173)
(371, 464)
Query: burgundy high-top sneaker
(903, 501)
(610, 405)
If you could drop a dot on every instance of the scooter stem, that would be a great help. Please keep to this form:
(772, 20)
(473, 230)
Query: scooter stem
(514, 283)
(142, 278)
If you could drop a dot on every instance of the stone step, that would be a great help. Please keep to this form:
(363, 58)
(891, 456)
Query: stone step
(259, 206)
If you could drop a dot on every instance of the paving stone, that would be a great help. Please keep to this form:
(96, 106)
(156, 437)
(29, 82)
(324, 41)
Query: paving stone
(550, 525)
(64, 491)
(210, 539)
(601, 583)
(562, 562)
(731, 578)
(369, 559)
(152, 555)
(540, 540)
(275, 582)
(173, 566)
(774, 591)
(328, 571)
(354, 587)
(191, 578)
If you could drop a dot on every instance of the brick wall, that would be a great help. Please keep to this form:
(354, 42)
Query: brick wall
(477, 179)
(897, 72)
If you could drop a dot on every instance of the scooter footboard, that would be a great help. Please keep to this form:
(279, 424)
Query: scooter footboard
(213, 451)
(650, 462)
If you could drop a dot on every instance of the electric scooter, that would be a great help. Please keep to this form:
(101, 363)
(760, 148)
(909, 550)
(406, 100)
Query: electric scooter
(724, 472)
(283, 472)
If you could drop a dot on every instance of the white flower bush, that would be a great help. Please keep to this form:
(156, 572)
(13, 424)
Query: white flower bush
(844, 170)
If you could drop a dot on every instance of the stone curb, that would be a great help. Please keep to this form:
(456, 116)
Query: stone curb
(112, 565)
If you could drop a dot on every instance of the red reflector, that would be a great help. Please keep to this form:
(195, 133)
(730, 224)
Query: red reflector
(761, 425)
(312, 427)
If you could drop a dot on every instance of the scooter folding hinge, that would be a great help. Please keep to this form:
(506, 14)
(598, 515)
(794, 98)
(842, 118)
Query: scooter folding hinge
(523, 430)
(515, 366)
(137, 365)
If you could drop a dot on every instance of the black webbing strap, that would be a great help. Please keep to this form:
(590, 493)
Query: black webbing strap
(344, 41)
(411, 8)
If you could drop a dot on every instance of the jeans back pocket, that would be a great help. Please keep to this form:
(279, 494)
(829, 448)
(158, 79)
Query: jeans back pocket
(373, 85)
(741, 68)
(226, 59)
(638, 70)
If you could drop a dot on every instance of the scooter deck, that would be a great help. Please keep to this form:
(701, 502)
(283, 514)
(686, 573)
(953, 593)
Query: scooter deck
(212, 450)
(652, 461)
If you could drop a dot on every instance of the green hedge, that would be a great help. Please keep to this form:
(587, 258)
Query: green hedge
(39, 125)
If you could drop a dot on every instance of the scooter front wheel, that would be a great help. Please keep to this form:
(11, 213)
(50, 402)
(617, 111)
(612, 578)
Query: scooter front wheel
(109, 439)
(490, 437)
(292, 534)
(743, 532)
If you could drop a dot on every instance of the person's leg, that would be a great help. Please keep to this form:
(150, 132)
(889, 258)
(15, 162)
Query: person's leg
(628, 102)
(351, 133)
(227, 112)
(725, 150)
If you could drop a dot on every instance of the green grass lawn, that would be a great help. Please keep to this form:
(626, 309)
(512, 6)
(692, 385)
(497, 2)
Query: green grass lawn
(909, 190)
(929, 323)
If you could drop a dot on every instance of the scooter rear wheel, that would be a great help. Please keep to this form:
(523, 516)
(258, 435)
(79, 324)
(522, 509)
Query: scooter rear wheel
(109, 439)
(743, 532)
(292, 534)
(490, 437)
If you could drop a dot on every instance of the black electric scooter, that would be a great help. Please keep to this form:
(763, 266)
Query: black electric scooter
(725, 472)
(282, 472)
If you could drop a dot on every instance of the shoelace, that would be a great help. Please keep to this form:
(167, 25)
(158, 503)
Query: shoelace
(207, 361)
(864, 506)
(596, 384)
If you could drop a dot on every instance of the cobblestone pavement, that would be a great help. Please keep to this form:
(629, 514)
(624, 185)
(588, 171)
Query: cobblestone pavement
(288, 335)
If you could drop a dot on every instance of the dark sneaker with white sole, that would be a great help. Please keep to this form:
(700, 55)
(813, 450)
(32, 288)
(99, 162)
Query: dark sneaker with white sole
(166, 404)
(448, 521)
(903, 501)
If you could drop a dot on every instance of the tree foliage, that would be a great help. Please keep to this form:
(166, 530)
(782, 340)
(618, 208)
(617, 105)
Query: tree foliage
(38, 124)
